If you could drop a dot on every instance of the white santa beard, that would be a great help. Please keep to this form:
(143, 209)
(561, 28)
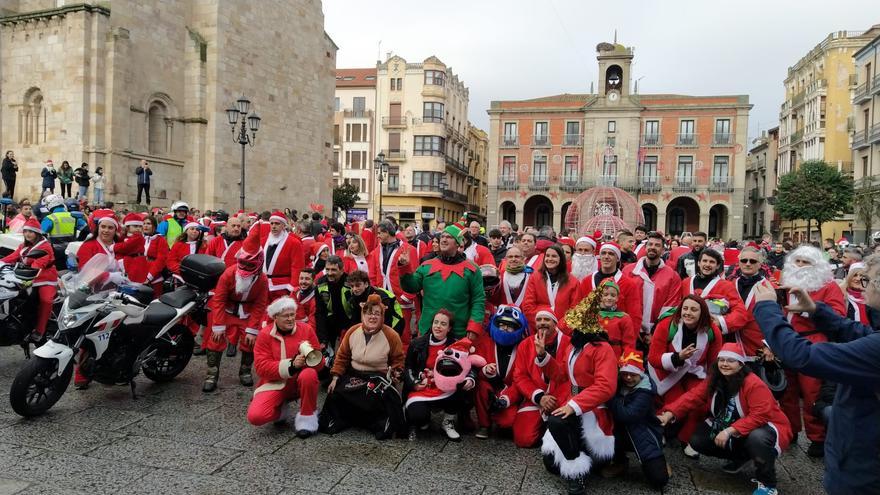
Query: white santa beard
(808, 278)
(274, 239)
(243, 284)
(582, 265)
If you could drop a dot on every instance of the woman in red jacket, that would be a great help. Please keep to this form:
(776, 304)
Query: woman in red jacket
(156, 253)
(46, 282)
(682, 349)
(190, 241)
(355, 257)
(103, 238)
(744, 423)
(551, 285)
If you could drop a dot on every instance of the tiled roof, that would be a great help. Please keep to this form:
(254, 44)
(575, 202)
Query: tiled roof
(352, 78)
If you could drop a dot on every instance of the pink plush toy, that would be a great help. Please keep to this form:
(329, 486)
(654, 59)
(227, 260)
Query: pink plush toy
(454, 363)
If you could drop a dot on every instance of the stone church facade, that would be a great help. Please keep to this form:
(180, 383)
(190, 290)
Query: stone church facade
(113, 82)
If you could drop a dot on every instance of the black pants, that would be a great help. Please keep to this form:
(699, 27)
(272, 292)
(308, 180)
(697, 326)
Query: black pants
(143, 188)
(759, 446)
(354, 402)
(65, 190)
(567, 434)
(10, 187)
(654, 469)
(419, 413)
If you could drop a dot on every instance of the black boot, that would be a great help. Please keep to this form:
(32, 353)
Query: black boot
(574, 486)
(231, 350)
(244, 371)
(213, 374)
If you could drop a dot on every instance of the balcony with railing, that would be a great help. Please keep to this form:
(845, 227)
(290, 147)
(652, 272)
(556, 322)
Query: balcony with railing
(509, 141)
(845, 168)
(396, 189)
(686, 140)
(721, 183)
(570, 140)
(358, 114)
(571, 183)
(797, 136)
(874, 134)
(860, 140)
(722, 139)
(753, 194)
(817, 85)
(396, 122)
(541, 140)
(684, 183)
(540, 182)
(606, 180)
(649, 184)
(652, 140)
(875, 84)
(455, 196)
(508, 183)
(862, 93)
(798, 99)
(454, 163)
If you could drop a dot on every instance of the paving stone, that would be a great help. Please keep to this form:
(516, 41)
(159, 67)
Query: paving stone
(203, 430)
(360, 452)
(49, 489)
(76, 473)
(8, 452)
(469, 468)
(535, 481)
(166, 454)
(176, 482)
(364, 480)
(258, 440)
(289, 472)
(101, 417)
(8, 486)
(56, 436)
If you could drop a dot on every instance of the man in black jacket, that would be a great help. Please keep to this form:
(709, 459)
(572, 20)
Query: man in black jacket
(687, 263)
(8, 171)
(143, 173)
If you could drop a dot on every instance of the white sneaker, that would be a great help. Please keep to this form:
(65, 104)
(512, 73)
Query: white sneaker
(448, 426)
(690, 452)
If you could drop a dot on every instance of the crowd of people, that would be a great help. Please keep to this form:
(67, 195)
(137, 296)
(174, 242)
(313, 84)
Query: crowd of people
(587, 347)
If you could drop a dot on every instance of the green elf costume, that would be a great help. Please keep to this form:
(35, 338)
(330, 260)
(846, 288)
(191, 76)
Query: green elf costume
(452, 283)
(622, 332)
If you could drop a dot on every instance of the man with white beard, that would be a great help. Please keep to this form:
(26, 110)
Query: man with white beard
(806, 268)
(583, 260)
(238, 306)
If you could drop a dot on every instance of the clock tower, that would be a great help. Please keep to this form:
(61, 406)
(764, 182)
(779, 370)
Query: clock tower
(615, 61)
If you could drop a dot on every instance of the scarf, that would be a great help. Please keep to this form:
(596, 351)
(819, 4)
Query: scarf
(745, 284)
(514, 270)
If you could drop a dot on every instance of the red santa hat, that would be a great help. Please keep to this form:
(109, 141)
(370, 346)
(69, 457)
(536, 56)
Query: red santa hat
(546, 311)
(753, 244)
(191, 225)
(632, 362)
(731, 350)
(843, 242)
(463, 345)
(251, 253)
(253, 215)
(49, 161)
(568, 241)
(105, 215)
(611, 246)
(133, 219)
(590, 239)
(206, 221)
(33, 225)
(218, 223)
(278, 216)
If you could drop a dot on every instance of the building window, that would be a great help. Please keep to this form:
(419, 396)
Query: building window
(356, 133)
(720, 172)
(722, 131)
(611, 141)
(571, 170)
(336, 104)
(572, 134)
(158, 129)
(358, 106)
(510, 134)
(435, 77)
(542, 134)
(685, 172)
(612, 126)
(508, 169)
(336, 134)
(609, 171)
(539, 168)
(393, 84)
(676, 221)
(393, 179)
(433, 112)
(429, 145)
(652, 133)
(649, 170)
(335, 162)
(686, 134)
(426, 181)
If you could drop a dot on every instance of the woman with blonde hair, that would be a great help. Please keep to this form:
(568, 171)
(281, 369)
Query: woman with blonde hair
(355, 257)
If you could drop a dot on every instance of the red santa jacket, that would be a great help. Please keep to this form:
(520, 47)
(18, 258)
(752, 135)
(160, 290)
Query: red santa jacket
(388, 277)
(224, 249)
(538, 293)
(529, 378)
(486, 348)
(676, 253)
(157, 256)
(274, 353)
(181, 250)
(755, 405)
(749, 338)
(421, 247)
(855, 304)
(350, 263)
(622, 332)
(667, 339)
(591, 373)
(829, 294)
(718, 288)
(264, 228)
(660, 293)
(505, 294)
(228, 307)
(369, 238)
(630, 300)
(284, 266)
(479, 254)
(48, 274)
(90, 248)
(305, 306)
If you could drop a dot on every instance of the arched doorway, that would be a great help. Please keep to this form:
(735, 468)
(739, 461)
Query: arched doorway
(649, 211)
(682, 215)
(565, 207)
(718, 222)
(508, 212)
(537, 212)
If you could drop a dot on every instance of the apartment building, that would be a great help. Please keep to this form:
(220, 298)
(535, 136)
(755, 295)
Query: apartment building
(866, 133)
(354, 127)
(682, 157)
(759, 217)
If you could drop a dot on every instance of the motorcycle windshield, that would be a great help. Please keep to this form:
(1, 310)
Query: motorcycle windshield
(93, 281)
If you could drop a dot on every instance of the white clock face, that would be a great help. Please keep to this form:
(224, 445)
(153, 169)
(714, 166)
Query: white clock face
(613, 96)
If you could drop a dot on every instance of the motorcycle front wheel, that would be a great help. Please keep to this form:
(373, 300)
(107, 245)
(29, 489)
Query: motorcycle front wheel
(38, 386)
(169, 360)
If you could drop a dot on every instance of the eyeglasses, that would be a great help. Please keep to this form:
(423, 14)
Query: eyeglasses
(748, 261)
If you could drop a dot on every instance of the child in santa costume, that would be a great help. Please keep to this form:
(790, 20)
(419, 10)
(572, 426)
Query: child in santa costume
(284, 257)
(282, 371)
(807, 268)
(741, 420)
(622, 332)
(609, 267)
(46, 281)
(682, 348)
(580, 431)
(237, 306)
(552, 286)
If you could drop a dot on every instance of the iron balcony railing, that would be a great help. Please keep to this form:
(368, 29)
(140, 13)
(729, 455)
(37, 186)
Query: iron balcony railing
(721, 183)
(722, 139)
(397, 121)
(541, 140)
(509, 141)
(688, 139)
(652, 140)
(684, 183)
(572, 140)
(539, 182)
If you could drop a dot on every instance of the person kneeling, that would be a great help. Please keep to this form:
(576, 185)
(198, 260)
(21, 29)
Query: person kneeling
(366, 377)
(285, 372)
(744, 422)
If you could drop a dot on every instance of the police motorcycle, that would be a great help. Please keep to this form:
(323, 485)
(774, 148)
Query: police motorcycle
(19, 302)
(114, 329)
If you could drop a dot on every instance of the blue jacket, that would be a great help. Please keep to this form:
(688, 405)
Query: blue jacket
(634, 415)
(46, 223)
(852, 445)
(49, 176)
(143, 175)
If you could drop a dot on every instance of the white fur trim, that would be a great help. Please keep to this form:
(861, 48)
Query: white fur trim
(548, 314)
(251, 331)
(218, 328)
(723, 324)
(536, 392)
(588, 240)
(568, 469)
(600, 445)
(306, 422)
(281, 304)
(278, 219)
(577, 409)
(666, 360)
(632, 369)
(543, 362)
(284, 368)
(732, 355)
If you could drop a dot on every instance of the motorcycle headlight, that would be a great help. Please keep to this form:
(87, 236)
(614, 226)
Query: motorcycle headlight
(67, 320)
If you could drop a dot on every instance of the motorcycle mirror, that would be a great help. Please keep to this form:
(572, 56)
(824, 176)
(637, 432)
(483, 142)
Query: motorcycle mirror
(35, 253)
(6, 201)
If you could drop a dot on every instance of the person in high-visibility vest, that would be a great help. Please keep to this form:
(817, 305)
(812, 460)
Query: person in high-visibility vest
(172, 227)
(59, 223)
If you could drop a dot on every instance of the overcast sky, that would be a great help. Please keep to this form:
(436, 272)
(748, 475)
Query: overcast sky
(516, 49)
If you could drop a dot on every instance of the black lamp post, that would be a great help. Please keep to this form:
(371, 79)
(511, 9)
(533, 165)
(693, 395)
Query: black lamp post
(238, 114)
(444, 185)
(381, 167)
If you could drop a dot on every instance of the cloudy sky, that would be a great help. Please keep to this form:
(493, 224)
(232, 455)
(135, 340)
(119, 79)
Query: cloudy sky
(517, 49)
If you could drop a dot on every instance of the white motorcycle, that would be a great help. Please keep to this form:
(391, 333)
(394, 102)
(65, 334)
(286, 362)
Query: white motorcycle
(117, 330)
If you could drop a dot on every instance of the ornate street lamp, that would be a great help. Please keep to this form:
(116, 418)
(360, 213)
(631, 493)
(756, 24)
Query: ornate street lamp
(381, 167)
(238, 115)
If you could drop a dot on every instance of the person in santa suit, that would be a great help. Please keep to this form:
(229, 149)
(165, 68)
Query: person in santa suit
(749, 337)
(661, 286)
(681, 350)
(282, 372)
(46, 281)
(535, 395)
(421, 247)
(320, 256)
(640, 235)
(507, 328)
(191, 241)
(263, 223)
(422, 394)
(807, 269)
(385, 272)
(226, 245)
(725, 305)
(583, 260)
(854, 290)
(284, 257)
(477, 253)
(369, 235)
(609, 267)
(305, 298)
(511, 291)
(528, 244)
(355, 257)
(622, 332)
(551, 286)
(303, 230)
(335, 240)
(104, 239)
(238, 306)
(156, 254)
(135, 265)
(580, 430)
(741, 420)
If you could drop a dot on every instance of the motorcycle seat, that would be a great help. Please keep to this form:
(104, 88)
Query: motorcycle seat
(179, 298)
(158, 314)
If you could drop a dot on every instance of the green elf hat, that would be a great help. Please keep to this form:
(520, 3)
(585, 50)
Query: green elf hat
(608, 282)
(456, 230)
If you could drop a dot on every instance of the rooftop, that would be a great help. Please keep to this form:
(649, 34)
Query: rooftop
(355, 78)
